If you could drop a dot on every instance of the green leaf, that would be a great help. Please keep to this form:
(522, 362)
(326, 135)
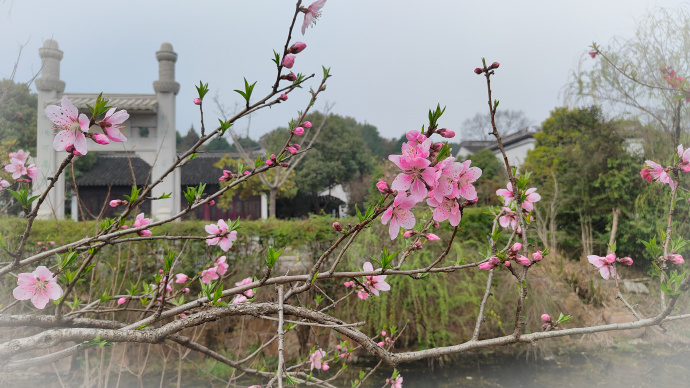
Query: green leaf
(258, 162)
(202, 89)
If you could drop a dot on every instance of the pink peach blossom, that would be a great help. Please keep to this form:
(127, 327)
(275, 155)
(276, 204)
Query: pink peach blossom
(209, 274)
(112, 123)
(20, 155)
(299, 131)
(121, 301)
(605, 265)
(221, 266)
(375, 283)
(468, 176)
(16, 167)
(399, 215)
(72, 126)
(220, 235)
(658, 173)
(181, 278)
(39, 286)
(316, 359)
(142, 221)
(311, 14)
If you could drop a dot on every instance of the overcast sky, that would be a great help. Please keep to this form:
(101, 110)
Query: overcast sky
(391, 60)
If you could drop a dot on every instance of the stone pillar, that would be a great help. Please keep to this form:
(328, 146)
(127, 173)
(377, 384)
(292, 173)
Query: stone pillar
(49, 88)
(166, 89)
(264, 207)
(75, 208)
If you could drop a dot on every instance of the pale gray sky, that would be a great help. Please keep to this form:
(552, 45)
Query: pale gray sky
(391, 60)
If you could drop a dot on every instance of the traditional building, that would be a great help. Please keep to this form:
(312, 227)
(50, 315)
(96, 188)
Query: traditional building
(515, 145)
(150, 130)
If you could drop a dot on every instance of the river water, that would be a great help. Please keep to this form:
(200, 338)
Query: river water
(611, 368)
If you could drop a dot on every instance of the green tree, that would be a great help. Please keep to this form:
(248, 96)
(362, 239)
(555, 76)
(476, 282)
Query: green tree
(186, 142)
(18, 116)
(585, 177)
(628, 74)
(338, 158)
(218, 144)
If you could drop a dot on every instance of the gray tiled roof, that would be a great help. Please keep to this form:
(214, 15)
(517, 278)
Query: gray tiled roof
(116, 170)
(134, 102)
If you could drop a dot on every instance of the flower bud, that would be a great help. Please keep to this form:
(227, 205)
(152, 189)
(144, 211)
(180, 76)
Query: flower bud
(39, 243)
(592, 54)
(432, 237)
(507, 263)
(545, 318)
(181, 278)
(292, 150)
(269, 162)
(284, 164)
(494, 66)
(185, 290)
(516, 247)
(383, 333)
(307, 124)
(283, 97)
(537, 256)
(290, 77)
(523, 260)
(100, 138)
(436, 147)
(478, 70)
(383, 187)
(297, 146)
(409, 233)
(436, 225)
(447, 133)
(299, 131)
(626, 260)
(117, 202)
(51, 242)
(197, 101)
(417, 245)
(121, 301)
(337, 227)
(227, 176)
(297, 48)
(289, 61)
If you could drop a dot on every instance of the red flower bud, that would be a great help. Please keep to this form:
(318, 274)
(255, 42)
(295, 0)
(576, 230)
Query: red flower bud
(297, 48)
(494, 66)
(283, 97)
(307, 124)
(197, 101)
(478, 70)
(337, 227)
